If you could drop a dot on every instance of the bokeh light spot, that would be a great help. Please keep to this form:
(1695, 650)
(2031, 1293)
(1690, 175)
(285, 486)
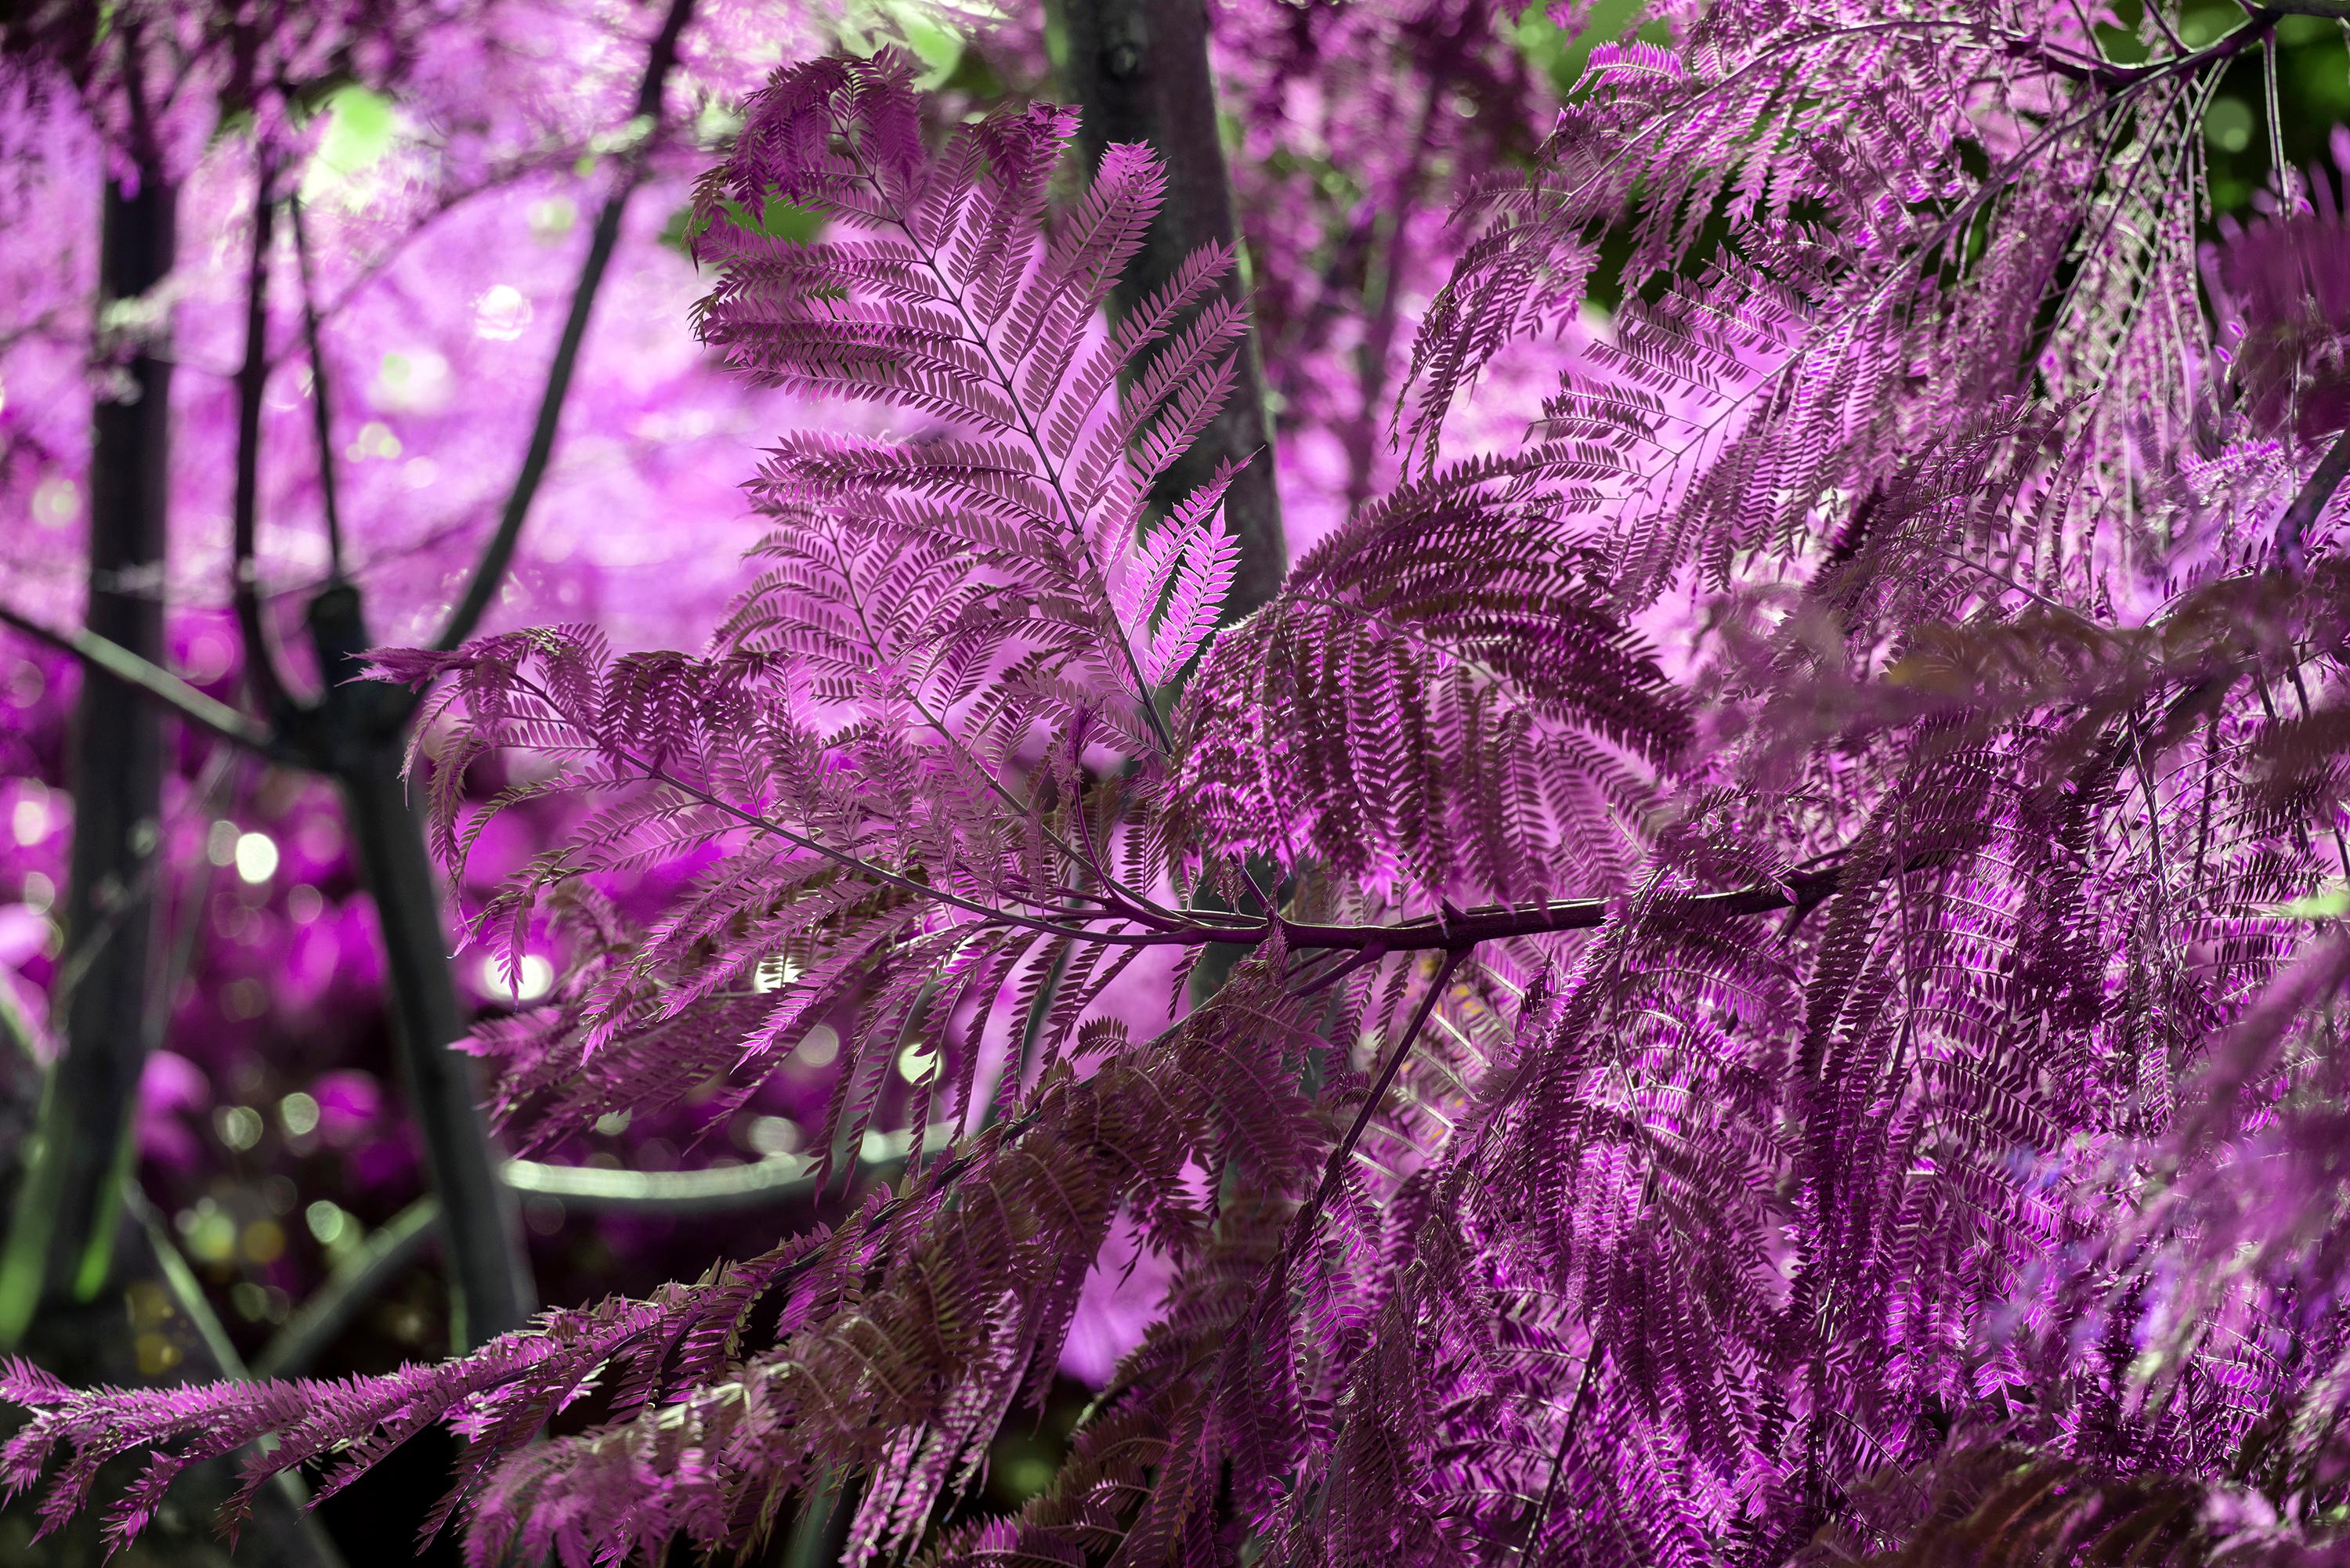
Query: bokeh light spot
(256, 856)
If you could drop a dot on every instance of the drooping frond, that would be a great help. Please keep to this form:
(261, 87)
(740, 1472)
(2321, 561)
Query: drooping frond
(1844, 232)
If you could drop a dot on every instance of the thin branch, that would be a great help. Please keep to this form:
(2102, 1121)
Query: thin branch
(105, 657)
(1336, 1170)
(2285, 176)
(1558, 1459)
(291, 1523)
(2299, 517)
(1463, 929)
(27, 1036)
(201, 802)
(490, 573)
(867, 869)
(1459, 930)
(321, 1319)
(187, 1290)
(263, 677)
(395, 1245)
(1382, 286)
(321, 413)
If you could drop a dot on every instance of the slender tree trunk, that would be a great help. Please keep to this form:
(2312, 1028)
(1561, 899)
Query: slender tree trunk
(69, 1238)
(63, 1242)
(1139, 71)
(489, 1265)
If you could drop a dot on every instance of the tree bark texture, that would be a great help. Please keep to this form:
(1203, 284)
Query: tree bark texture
(482, 1223)
(116, 770)
(1138, 72)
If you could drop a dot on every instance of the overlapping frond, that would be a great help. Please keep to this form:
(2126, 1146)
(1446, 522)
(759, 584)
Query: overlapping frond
(1845, 231)
(1441, 701)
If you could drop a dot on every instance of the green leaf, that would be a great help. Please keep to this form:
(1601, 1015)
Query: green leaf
(360, 127)
(2325, 904)
(871, 24)
(777, 219)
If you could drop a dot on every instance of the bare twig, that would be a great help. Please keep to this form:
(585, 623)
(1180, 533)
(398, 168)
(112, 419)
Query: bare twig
(322, 1317)
(395, 1244)
(1457, 930)
(1333, 1172)
(490, 573)
(105, 657)
(263, 677)
(321, 412)
(1558, 1458)
(283, 1529)
(356, 733)
(199, 803)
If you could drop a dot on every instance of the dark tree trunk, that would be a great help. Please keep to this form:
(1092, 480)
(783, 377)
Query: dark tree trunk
(115, 769)
(70, 1239)
(482, 1219)
(1138, 72)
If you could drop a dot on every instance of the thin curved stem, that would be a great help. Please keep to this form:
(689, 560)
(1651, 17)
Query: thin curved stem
(395, 1244)
(711, 1191)
(102, 656)
(321, 1319)
(497, 554)
(1558, 1458)
(263, 677)
(1336, 1170)
(321, 412)
(1460, 929)
(202, 800)
(2293, 527)
(655, 774)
